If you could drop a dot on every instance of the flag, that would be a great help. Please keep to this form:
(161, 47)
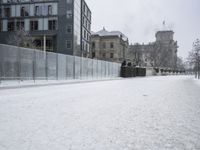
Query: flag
(163, 23)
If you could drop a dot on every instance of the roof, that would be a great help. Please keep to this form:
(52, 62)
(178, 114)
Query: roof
(104, 32)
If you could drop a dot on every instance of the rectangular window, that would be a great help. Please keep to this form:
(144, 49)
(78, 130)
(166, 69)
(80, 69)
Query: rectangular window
(69, 44)
(37, 10)
(50, 10)
(69, 29)
(69, 14)
(104, 55)
(111, 55)
(84, 34)
(52, 24)
(93, 54)
(69, 1)
(104, 45)
(24, 11)
(33, 25)
(7, 12)
(83, 45)
(83, 21)
(111, 45)
(49, 44)
(20, 25)
(88, 36)
(11, 25)
(93, 45)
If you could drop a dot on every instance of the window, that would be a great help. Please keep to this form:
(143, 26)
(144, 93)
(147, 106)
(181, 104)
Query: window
(84, 34)
(86, 23)
(83, 45)
(52, 24)
(11, 25)
(111, 55)
(69, 44)
(49, 44)
(20, 25)
(69, 29)
(83, 21)
(7, 12)
(86, 47)
(38, 43)
(69, 14)
(104, 55)
(49, 10)
(111, 45)
(104, 45)
(24, 11)
(69, 1)
(37, 10)
(88, 36)
(93, 54)
(33, 25)
(93, 45)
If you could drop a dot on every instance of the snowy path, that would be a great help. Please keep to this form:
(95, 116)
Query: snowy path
(155, 113)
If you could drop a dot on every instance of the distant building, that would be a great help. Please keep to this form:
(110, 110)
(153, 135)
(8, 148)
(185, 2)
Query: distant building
(61, 26)
(161, 53)
(109, 46)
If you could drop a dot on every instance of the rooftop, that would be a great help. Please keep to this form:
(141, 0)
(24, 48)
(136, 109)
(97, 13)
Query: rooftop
(104, 32)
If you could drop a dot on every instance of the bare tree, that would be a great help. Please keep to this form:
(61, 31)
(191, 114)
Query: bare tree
(21, 38)
(194, 58)
(159, 56)
(154, 54)
(135, 53)
(180, 63)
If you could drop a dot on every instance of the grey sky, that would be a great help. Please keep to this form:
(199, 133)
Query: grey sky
(140, 19)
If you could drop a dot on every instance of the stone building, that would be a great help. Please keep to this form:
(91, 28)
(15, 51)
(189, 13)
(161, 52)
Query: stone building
(109, 46)
(161, 53)
(61, 26)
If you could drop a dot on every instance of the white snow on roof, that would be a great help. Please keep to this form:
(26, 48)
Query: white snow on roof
(104, 32)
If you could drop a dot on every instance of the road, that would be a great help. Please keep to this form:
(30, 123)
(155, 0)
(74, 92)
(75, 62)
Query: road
(154, 113)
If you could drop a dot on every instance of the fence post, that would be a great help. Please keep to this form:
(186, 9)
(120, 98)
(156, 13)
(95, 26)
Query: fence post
(198, 70)
(101, 69)
(74, 68)
(34, 65)
(19, 65)
(66, 66)
(92, 68)
(1, 64)
(46, 66)
(88, 69)
(97, 69)
(57, 66)
(81, 68)
(105, 68)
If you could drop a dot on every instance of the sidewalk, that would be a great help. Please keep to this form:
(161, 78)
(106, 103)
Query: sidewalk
(38, 83)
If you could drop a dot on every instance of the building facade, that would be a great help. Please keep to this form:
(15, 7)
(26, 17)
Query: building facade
(109, 46)
(161, 53)
(61, 26)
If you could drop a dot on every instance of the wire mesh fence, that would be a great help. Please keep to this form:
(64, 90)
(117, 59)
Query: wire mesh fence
(22, 64)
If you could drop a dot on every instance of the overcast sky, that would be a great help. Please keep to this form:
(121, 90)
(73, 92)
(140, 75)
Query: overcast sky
(140, 19)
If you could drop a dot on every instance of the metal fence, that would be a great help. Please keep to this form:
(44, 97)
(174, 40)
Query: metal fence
(21, 64)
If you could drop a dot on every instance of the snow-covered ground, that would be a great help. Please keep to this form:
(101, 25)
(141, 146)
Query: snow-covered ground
(155, 113)
(197, 81)
(27, 83)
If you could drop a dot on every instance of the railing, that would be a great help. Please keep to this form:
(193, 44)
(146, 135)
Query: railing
(21, 64)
